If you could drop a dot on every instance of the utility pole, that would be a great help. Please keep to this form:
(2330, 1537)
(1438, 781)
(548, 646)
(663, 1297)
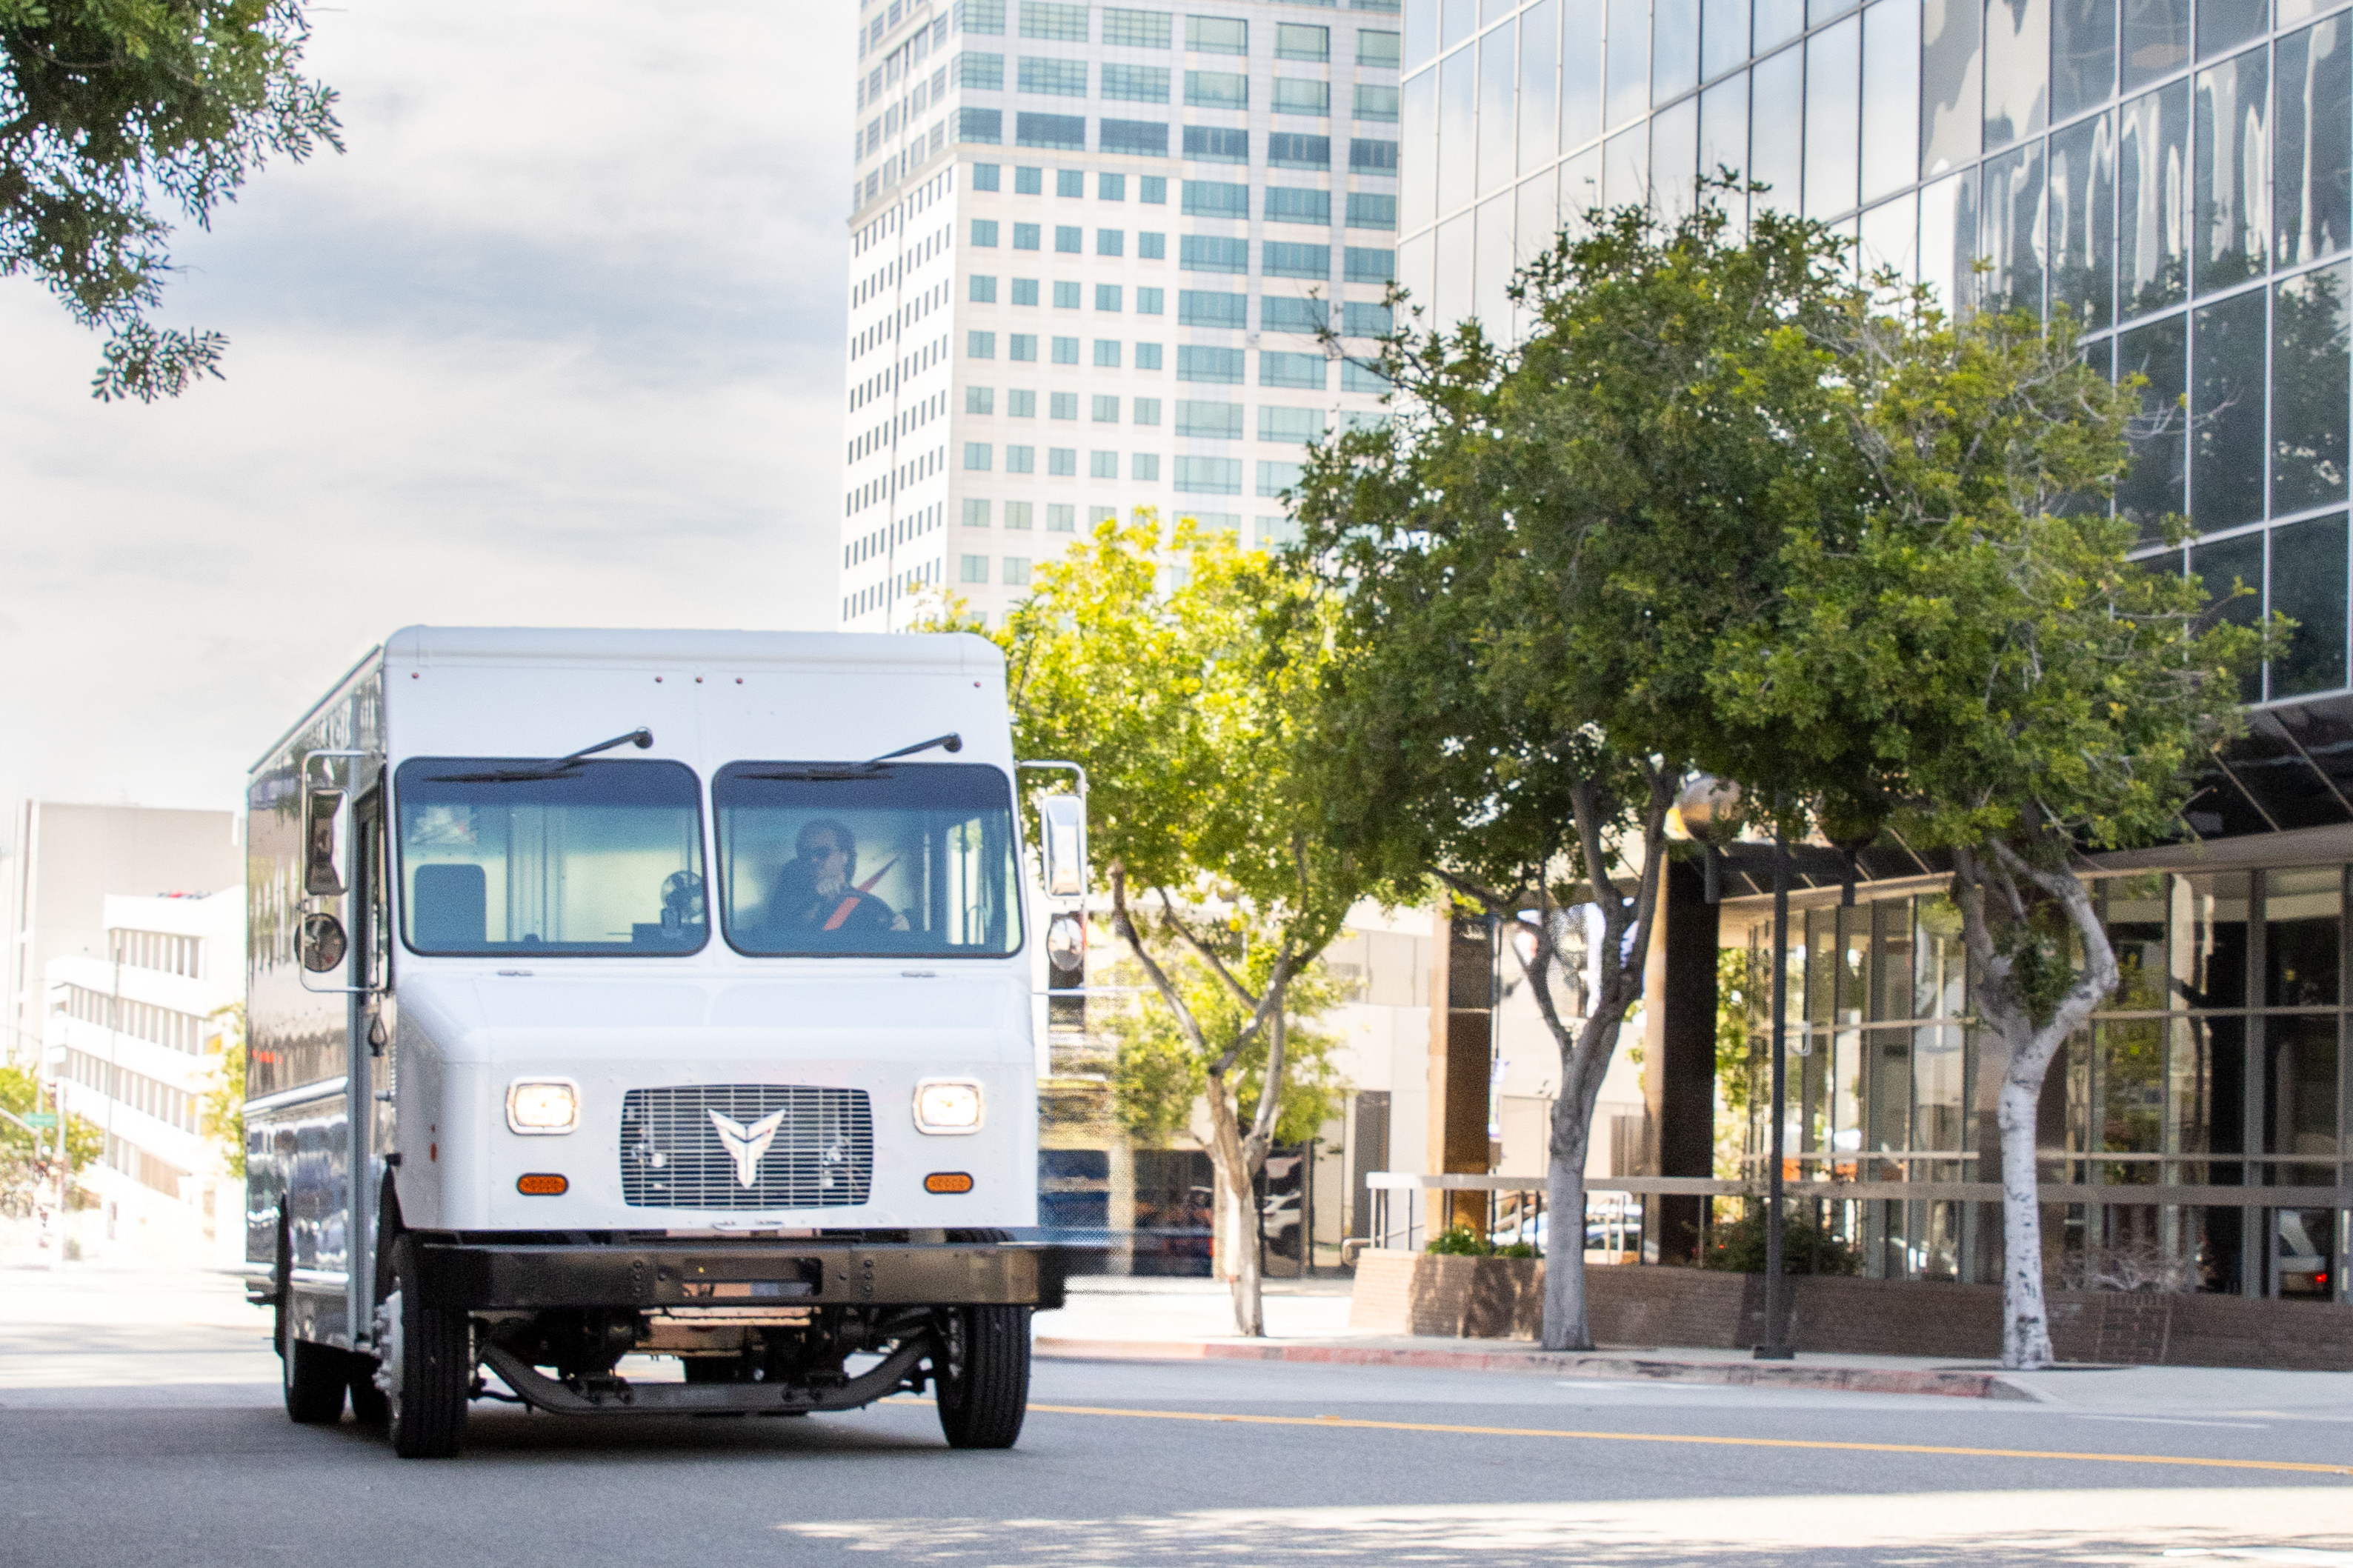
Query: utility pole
(1770, 1346)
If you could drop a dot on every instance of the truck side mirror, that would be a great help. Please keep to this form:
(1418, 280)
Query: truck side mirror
(323, 943)
(323, 872)
(1063, 844)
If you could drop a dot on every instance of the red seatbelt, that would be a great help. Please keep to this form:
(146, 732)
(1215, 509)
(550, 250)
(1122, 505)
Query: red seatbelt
(842, 910)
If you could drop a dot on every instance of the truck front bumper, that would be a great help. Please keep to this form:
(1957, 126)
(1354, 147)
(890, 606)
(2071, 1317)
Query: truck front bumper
(491, 1277)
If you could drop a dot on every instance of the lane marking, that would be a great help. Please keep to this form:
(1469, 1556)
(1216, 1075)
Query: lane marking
(1808, 1443)
(2170, 1421)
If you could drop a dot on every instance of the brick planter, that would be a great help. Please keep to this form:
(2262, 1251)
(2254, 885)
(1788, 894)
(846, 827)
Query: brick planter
(1503, 1298)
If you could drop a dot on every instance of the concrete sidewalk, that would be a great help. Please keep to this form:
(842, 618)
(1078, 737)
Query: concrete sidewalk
(1307, 1321)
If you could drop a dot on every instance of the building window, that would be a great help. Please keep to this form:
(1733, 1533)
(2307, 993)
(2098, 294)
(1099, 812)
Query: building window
(1208, 198)
(1103, 465)
(1020, 459)
(1107, 354)
(1059, 132)
(1110, 188)
(1111, 242)
(1217, 144)
(1357, 377)
(984, 290)
(1017, 572)
(986, 126)
(1300, 424)
(1146, 411)
(1275, 532)
(1028, 182)
(984, 232)
(1151, 245)
(1217, 90)
(1136, 29)
(1148, 302)
(1302, 41)
(1199, 308)
(975, 513)
(1370, 209)
(1066, 296)
(1209, 475)
(1367, 156)
(1279, 315)
(1053, 78)
(1144, 466)
(1017, 515)
(1066, 351)
(1026, 235)
(1294, 203)
(1293, 95)
(1217, 36)
(1020, 403)
(1370, 266)
(1196, 363)
(1053, 20)
(1061, 405)
(1147, 356)
(1210, 421)
(1025, 290)
(983, 72)
(1021, 346)
(1070, 182)
(1360, 318)
(980, 345)
(1106, 407)
(976, 569)
(1377, 49)
(1069, 239)
(1109, 297)
(1136, 138)
(1135, 84)
(983, 177)
(1212, 253)
(1062, 462)
(1282, 258)
(976, 456)
(1274, 477)
(1277, 369)
(1374, 102)
(980, 400)
(1153, 188)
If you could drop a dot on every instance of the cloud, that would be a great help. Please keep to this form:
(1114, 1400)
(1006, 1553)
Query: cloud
(558, 341)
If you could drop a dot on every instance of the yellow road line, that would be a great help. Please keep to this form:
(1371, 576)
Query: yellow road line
(1712, 1441)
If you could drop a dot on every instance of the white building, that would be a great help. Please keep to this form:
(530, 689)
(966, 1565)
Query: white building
(1092, 248)
(133, 1037)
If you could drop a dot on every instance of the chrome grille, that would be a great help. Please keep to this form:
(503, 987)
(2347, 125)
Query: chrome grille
(672, 1155)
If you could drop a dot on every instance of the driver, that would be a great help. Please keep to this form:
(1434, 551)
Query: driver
(815, 889)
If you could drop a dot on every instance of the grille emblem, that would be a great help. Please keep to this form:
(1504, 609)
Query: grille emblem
(747, 1144)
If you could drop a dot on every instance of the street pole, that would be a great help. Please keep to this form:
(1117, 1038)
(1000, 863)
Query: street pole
(1770, 1346)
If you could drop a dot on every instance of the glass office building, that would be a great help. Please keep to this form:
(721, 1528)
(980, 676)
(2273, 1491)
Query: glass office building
(2178, 175)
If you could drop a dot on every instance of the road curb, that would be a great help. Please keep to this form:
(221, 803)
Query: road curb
(1551, 1364)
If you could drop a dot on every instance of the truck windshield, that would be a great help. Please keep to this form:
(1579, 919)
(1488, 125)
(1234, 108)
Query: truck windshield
(909, 860)
(524, 857)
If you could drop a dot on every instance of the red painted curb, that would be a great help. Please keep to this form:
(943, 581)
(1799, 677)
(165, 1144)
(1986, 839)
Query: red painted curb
(1743, 1374)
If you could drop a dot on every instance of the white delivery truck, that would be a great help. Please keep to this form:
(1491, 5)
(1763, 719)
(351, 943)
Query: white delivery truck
(620, 993)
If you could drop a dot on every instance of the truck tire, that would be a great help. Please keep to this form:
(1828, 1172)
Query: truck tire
(428, 1370)
(982, 1375)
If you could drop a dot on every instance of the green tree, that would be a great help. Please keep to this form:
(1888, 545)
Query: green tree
(1537, 559)
(223, 1101)
(111, 110)
(28, 1160)
(1185, 675)
(1973, 657)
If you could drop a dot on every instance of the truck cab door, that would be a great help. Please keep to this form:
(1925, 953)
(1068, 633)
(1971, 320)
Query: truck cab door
(372, 1063)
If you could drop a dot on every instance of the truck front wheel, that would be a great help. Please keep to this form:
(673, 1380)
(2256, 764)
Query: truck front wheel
(425, 1367)
(982, 1375)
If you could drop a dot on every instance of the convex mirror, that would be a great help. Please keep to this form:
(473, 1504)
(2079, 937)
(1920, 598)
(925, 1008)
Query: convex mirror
(323, 943)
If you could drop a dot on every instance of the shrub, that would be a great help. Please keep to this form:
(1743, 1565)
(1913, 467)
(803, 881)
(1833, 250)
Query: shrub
(1738, 1248)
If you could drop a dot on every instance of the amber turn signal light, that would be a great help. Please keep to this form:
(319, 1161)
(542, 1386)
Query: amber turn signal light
(543, 1184)
(947, 1181)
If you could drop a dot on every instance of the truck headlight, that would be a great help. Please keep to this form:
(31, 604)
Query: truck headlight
(947, 1105)
(541, 1106)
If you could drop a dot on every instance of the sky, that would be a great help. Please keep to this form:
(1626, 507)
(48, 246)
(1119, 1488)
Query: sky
(556, 341)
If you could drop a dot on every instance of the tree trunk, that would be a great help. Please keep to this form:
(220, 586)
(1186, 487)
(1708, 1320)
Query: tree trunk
(1565, 1322)
(1236, 1230)
(2025, 1322)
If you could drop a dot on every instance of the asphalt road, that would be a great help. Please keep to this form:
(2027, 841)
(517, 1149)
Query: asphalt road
(138, 1426)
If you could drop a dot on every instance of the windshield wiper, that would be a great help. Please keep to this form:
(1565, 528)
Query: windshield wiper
(640, 738)
(837, 772)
